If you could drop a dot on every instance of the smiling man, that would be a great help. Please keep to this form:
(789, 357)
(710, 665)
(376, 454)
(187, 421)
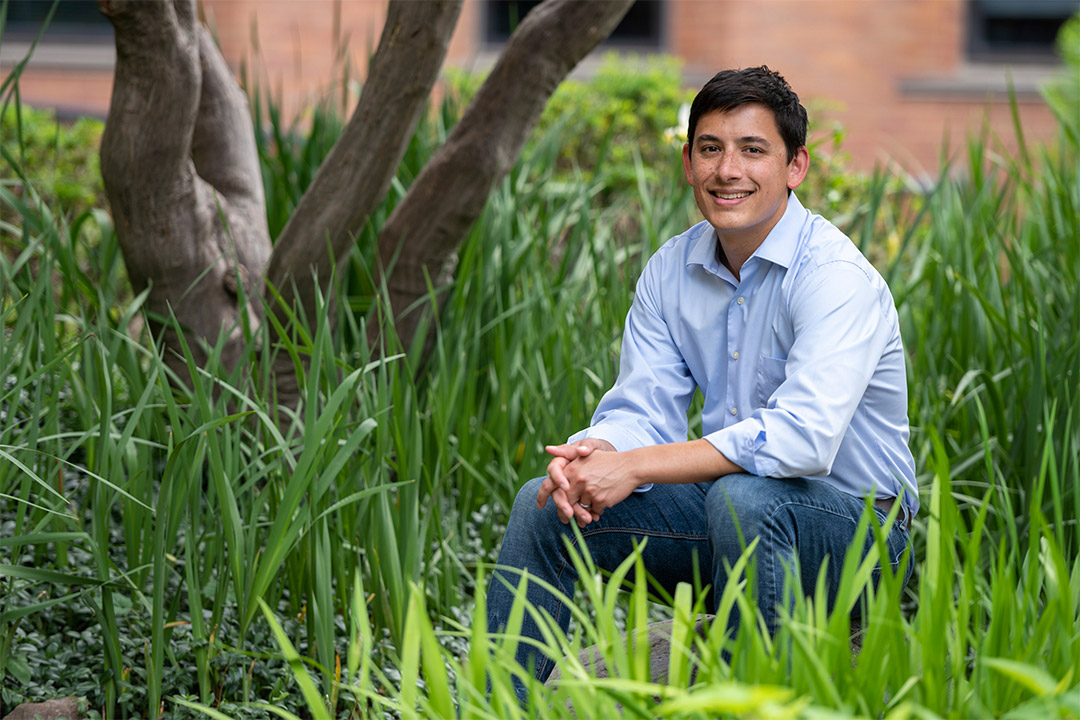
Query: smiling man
(791, 336)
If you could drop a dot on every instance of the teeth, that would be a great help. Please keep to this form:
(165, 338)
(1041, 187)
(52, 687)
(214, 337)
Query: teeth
(732, 196)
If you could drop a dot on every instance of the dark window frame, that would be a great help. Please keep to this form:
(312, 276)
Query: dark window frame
(643, 28)
(1015, 31)
(78, 21)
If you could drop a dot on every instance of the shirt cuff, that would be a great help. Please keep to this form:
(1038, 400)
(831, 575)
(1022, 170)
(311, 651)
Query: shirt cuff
(741, 444)
(620, 439)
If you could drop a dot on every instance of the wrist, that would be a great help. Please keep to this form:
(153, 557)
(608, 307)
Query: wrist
(602, 445)
(638, 466)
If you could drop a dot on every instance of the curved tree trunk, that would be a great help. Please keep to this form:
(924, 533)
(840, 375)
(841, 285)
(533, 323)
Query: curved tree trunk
(182, 176)
(429, 224)
(356, 174)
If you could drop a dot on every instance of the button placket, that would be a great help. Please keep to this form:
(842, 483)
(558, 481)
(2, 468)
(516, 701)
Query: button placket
(736, 329)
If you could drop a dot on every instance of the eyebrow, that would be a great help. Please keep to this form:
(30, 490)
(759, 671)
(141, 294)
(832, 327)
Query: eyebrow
(748, 139)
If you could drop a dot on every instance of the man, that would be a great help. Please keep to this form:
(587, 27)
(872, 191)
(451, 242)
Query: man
(792, 337)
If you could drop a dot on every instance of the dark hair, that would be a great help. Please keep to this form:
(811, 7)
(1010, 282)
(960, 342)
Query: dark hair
(730, 89)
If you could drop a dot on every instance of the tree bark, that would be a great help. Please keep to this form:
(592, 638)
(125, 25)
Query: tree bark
(356, 174)
(181, 173)
(429, 224)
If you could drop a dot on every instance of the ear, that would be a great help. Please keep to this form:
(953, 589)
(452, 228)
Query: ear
(687, 170)
(797, 168)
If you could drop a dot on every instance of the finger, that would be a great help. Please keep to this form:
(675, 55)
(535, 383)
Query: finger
(565, 507)
(544, 492)
(556, 471)
(583, 514)
(567, 452)
(586, 517)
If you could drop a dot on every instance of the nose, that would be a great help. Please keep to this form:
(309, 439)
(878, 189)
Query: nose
(729, 166)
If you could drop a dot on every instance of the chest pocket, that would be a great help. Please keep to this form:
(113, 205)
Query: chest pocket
(770, 375)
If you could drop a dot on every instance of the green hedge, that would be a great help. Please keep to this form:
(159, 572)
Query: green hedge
(59, 158)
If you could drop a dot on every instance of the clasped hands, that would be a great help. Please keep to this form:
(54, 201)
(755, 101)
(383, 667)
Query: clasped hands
(585, 478)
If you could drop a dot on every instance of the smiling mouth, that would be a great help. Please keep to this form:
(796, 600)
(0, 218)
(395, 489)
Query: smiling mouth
(729, 195)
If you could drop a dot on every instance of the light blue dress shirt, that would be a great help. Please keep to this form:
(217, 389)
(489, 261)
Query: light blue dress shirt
(800, 360)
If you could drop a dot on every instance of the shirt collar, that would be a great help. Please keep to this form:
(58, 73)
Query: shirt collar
(703, 247)
(778, 247)
(781, 243)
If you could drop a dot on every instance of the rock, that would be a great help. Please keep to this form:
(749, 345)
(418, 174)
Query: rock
(69, 708)
(659, 639)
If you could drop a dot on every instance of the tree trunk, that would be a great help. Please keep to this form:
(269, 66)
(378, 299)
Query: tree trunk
(429, 224)
(182, 177)
(356, 174)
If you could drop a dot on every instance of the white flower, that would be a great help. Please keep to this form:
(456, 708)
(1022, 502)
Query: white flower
(677, 134)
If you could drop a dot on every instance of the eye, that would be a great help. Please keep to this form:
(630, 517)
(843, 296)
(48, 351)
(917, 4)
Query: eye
(754, 150)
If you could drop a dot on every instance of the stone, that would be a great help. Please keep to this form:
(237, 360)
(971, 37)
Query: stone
(659, 640)
(69, 708)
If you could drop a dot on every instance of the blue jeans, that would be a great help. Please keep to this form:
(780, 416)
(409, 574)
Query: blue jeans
(689, 527)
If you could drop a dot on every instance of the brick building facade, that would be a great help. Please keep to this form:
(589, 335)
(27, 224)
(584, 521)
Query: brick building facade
(901, 76)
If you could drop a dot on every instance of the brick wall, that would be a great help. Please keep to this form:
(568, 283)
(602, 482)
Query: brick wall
(892, 72)
(297, 50)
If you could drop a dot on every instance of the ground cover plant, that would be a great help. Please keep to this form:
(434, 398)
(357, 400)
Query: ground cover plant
(178, 552)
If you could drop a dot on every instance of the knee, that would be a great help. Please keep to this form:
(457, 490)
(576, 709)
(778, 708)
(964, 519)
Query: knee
(741, 505)
(525, 500)
(528, 520)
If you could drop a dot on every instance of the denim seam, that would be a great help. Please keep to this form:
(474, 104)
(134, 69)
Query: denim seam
(770, 526)
(645, 533)
(894, 561)
(542, 666)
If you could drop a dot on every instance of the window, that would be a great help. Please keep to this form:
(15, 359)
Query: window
(640, 28)
(1016, 30)
(73, 20)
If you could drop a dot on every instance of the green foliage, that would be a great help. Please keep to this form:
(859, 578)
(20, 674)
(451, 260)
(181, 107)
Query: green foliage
(59, 158)
(624, 116)
(1063, 92)
(626, 112)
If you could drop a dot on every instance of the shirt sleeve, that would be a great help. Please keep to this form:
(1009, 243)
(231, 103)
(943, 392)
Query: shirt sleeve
(647, 404)
(840, 331)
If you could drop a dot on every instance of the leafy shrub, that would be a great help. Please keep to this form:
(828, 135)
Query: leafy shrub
(59, 159)
(628, 109)
(1063, 92)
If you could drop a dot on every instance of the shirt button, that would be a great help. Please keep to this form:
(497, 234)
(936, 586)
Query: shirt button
(741, 300)
(734, 411)
(735, 355)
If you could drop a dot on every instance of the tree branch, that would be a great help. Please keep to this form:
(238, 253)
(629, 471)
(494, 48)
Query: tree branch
(157, 83)
(430, 221)
(356, 174)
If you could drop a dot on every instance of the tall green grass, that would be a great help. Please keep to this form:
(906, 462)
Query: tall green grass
(202, 561)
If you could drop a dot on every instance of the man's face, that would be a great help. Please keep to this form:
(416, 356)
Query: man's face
(740, 173)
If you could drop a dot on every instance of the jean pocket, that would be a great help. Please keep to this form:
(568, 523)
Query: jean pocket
(896, 542)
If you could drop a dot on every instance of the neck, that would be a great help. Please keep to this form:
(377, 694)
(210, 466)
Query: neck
(729, 257)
